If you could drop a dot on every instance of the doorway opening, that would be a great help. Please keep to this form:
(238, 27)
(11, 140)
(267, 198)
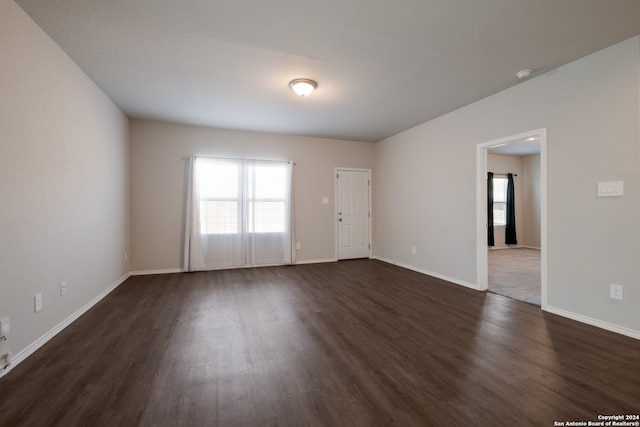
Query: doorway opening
(516, 270)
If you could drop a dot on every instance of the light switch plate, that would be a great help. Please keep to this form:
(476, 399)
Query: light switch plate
(610, 189)
(37, 303)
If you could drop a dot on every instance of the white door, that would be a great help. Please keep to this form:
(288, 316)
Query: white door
(353, 213)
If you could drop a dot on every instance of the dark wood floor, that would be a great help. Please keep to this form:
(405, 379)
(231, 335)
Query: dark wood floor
(350, 343)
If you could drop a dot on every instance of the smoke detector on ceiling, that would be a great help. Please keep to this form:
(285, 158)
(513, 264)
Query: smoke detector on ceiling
(523, 74)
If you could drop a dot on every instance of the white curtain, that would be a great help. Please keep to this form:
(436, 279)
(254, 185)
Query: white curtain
(238, 214)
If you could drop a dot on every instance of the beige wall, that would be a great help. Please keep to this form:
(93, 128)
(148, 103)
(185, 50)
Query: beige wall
(66, 164)
(425, 184)
(531, 202)
(158, 177)
(63, 183)
(527, 196)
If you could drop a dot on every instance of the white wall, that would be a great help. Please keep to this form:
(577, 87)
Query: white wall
(158, 179)
(425, 181)
(63, 184)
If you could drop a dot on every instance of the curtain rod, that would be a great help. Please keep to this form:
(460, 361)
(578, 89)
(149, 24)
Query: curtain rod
(238, 158)
(504, 174)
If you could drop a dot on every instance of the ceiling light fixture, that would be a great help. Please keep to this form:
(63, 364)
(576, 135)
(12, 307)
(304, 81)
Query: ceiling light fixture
(523, 74)
(303, 87)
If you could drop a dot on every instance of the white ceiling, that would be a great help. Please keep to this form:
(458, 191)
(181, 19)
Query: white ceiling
(381, 66)
(518, 147)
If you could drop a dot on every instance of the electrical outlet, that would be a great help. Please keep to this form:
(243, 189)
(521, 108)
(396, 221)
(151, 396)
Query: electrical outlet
(298, 246)
(126, 256)
(413, 250)
(37, 302)
(615, 291)
(63, 288)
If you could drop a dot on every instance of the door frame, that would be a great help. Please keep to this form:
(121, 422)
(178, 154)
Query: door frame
(481, 209)
(336, 171)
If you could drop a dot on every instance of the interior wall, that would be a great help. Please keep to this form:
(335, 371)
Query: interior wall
(503, 164)
(531, 202)
(63, 183)
(425, 184)
(527, 195)
(158, 184)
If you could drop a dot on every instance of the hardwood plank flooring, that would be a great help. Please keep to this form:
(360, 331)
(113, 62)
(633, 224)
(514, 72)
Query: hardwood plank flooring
(354, 343)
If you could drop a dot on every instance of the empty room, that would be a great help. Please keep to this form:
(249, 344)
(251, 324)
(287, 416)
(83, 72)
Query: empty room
(242, 213)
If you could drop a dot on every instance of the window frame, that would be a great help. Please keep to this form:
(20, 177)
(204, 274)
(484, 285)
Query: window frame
(502, 182)
(245, 201)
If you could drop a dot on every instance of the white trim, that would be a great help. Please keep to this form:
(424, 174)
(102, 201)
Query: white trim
(429, 273)
(162, 271)
(34, 346)
(481, 217)
(529, 247)
(316, 261)
(594, 322)
(481, 209)
(335, 206)
(632, 333)
(499, 248)
(544, 215)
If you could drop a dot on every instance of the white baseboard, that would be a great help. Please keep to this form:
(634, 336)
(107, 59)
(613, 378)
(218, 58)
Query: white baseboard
(498, 248)
(180, 270)
(30, 349)
(162, 271)
(316, 261)
(430, 273)
(560, 312)
(594, 322)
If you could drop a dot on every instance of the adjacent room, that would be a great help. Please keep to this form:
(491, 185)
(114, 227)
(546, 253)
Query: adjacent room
(514, 245)
(222, 213)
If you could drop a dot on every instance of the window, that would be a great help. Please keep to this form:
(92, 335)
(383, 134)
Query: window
(237, 196)
(218, 181)
(500, 201)
(267, 194)
(238, 214)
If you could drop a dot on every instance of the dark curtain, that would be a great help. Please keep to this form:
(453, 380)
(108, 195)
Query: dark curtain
(490, 239)
(510, 228)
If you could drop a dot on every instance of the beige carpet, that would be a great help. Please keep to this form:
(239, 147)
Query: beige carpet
(515, 273)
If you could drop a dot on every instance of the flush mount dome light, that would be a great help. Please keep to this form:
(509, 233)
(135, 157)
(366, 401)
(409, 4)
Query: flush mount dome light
(303, 87)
